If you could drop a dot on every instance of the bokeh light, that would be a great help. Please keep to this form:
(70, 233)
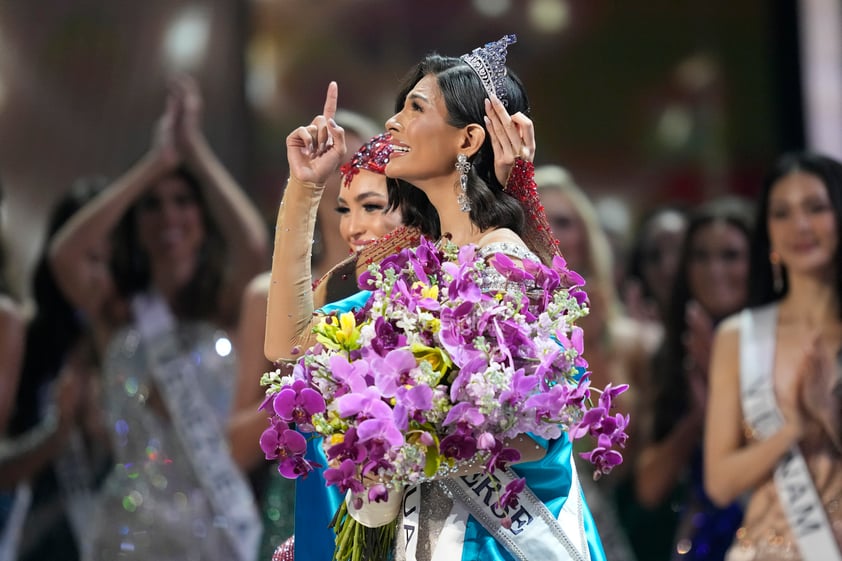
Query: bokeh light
(549, 16)
(187, 39)
(492, 8)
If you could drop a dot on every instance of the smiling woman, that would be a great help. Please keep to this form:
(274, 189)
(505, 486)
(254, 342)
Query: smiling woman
(363, 204)
(773, 419)
(186, 240)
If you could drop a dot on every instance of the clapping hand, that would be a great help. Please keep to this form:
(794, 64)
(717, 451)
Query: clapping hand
(164, 148)
(512, 137)
(817, 378)
(698, 340)
(188, 100)
(315, 151)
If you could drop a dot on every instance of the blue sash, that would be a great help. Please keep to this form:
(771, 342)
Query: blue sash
(315, 502)
(315, 505)
(550, 479)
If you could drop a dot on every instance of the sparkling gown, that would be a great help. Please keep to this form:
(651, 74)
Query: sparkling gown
(151, 505)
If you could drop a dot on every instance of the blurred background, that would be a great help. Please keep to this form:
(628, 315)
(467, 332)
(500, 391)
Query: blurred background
(644, 102)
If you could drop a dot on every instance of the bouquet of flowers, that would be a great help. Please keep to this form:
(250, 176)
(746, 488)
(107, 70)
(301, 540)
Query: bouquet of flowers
(452, 358)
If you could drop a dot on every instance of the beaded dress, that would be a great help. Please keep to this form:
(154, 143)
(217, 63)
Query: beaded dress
(151, 505)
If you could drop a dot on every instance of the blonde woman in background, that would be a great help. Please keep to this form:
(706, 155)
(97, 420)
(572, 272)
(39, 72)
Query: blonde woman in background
(616, 347)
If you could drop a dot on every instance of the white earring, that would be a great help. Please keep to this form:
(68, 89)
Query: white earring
(464, 166)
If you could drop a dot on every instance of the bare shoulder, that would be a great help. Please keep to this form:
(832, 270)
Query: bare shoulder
(11, 315)
(500, 235)
(258, 287)
(729, 328)
(12, 325)
(726, 342)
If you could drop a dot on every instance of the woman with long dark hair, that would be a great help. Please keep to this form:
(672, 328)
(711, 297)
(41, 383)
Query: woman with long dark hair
(443, 153)
(185, 242)
(772, 426)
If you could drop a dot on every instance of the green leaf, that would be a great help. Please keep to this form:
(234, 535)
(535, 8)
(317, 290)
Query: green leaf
(433, 460)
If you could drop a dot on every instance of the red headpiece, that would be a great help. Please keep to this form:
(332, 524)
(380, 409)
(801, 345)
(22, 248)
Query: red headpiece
(372, 156)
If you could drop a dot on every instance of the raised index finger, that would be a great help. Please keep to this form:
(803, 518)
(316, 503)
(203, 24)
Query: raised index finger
(330, 100)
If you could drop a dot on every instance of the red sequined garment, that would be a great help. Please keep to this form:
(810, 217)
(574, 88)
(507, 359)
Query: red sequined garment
(285, 551)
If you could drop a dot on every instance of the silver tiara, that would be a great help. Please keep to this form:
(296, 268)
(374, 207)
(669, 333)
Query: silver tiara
(489, 62)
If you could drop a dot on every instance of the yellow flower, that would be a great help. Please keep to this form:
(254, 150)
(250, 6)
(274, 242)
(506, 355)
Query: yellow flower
(438, 358)
(431, 292)
(338, 335)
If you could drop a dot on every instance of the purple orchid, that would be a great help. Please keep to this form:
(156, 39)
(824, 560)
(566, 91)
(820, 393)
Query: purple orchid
(390, 371)
(387, 337)
(270, 438)
(500, 457)
(552, 403)
(521, 387)
(460, 445)
(409, 401)
(509, 269)
(287, 446)
(378, 493)
(298, 403)
(383, 430)
(351, 376)
(569, 277)
(464, 413)
(349, 449)
(486, 441)
(344, 477)
(509, 498)
(375, 416)
(603, 457)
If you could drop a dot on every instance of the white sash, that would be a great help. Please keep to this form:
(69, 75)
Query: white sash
(534, 534)
(10, 533)
(801, 503)
(203, 439)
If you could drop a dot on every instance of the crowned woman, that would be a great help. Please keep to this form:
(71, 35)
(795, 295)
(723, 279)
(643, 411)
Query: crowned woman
(452, 116)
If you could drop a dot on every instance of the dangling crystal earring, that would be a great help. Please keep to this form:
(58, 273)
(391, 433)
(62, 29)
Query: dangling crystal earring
(777, 272)
(464, 166)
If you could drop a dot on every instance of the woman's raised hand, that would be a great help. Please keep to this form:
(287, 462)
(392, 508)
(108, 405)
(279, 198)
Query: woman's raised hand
(164, 147)
(188, 125)
(315, 151)
(512, 137)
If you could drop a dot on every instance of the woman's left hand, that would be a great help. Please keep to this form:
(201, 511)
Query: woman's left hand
(512, 137)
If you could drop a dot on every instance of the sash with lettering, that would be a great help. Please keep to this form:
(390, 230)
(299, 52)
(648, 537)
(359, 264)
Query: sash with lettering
(551, 522)
(203, 439)
(799, 499)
